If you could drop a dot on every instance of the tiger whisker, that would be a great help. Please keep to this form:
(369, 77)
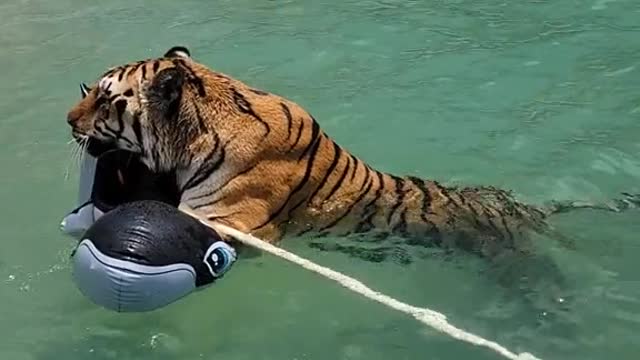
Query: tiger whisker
(70, 162)
(77, 155)
(83, 150)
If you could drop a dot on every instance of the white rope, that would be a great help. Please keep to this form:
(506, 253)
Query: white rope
(428, 317)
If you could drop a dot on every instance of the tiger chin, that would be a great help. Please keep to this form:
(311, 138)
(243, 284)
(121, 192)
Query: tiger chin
(260, 163)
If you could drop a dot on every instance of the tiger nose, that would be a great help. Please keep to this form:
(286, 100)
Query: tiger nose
(72, 118)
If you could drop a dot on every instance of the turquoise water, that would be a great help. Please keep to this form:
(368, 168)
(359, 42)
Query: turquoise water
(537, 96)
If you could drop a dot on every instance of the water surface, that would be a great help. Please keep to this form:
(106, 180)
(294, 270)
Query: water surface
(537, 96)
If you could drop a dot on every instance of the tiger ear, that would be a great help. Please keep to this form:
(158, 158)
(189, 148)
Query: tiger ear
(178, 51)
(165, 90)
(84, 90)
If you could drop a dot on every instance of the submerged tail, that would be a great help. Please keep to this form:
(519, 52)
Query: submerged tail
(628, 201)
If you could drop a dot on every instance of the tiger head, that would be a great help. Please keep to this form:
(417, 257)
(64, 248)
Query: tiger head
(175, 113)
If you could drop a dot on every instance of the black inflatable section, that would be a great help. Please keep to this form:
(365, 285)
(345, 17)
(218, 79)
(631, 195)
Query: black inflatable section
(141, 223)
(120, 178)
(154, 233)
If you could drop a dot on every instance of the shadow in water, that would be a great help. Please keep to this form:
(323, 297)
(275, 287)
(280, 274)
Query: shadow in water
(533, 279)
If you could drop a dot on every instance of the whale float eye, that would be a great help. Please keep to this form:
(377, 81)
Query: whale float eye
(219, 258)
(214, 260)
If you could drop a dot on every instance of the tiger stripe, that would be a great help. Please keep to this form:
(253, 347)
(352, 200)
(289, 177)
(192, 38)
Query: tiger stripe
(143, 75)
(287, 115)
(313, 148)
(315, 129)
(369, 211)
(136, 126)
(295, 143)
(245, 107)
(340, 180)
(208, 165)
(259, 92)
(400, 192)
(192, 77)
(201, 122)
(366, 181)
(337, 154)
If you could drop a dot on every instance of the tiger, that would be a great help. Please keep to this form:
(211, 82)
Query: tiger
(260, 163)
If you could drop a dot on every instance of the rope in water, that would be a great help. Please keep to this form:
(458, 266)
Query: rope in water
(426, 316)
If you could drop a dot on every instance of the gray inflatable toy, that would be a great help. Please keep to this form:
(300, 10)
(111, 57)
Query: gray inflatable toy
(136, 251)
